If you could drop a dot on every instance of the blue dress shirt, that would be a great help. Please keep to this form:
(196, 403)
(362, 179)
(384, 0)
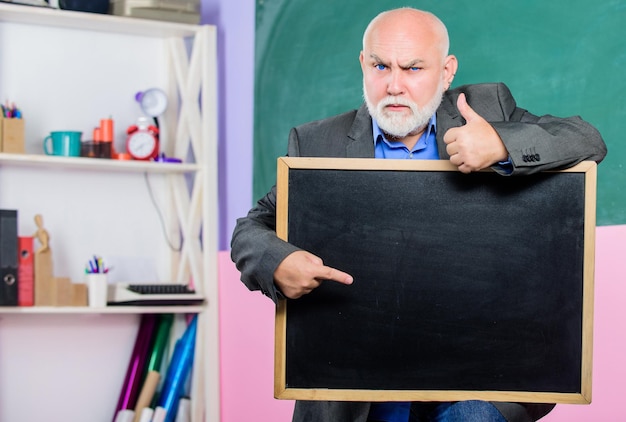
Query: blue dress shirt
(424, 149)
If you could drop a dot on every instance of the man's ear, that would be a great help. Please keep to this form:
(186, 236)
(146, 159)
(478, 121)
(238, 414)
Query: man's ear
(450, 66)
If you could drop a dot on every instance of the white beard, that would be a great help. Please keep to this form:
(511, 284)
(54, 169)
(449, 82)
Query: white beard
(396, 124)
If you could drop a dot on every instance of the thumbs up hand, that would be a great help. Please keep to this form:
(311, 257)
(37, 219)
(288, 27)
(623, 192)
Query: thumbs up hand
(475, 145)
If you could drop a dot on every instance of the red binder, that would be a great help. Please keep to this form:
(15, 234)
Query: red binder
(25, 287)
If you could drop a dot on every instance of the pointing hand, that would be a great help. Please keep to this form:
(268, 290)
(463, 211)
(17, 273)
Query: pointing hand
(301, 272)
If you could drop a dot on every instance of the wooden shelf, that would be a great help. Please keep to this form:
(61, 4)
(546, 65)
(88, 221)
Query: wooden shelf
(95, 164)
(44, 16)
(64, 310)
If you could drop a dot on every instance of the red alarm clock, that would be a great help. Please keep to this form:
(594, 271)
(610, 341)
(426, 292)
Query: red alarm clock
(142, 142)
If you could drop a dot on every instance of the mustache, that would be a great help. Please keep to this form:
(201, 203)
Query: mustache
(393, 100)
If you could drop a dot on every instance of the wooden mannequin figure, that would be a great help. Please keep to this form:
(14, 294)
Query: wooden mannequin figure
(44, 288)
(42, 235)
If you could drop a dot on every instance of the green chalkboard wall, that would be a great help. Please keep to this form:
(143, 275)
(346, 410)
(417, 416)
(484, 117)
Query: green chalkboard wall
(559, 57)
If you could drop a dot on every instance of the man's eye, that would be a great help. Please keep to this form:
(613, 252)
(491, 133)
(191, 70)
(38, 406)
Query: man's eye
(380, 67)
(414, 68)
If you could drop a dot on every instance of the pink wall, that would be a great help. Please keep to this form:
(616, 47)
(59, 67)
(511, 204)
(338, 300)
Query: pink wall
(247, 335)
(247, 352)
(609, 370)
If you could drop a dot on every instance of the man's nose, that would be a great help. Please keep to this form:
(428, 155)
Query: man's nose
(395, 85)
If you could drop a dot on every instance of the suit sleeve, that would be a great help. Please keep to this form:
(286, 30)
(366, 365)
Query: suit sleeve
(537, 143)
(255, 248)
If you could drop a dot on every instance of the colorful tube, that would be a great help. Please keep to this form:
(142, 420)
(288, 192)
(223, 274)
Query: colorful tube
(136, 366)
(178, 371)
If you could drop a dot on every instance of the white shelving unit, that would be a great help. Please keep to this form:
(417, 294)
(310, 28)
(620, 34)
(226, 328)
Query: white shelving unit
(66, 70)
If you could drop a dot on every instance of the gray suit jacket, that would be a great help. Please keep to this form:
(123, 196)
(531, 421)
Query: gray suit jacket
(534, 143)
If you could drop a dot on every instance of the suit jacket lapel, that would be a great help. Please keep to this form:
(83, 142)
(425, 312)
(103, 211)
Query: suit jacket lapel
(448, 116)
(361, 139)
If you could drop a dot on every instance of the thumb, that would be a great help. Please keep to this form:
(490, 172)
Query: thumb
(466, 111)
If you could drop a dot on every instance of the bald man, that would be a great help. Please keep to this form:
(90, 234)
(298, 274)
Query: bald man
(410, 112)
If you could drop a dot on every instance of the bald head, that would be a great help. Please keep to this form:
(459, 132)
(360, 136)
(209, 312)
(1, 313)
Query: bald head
(406, 69)
(408, 23)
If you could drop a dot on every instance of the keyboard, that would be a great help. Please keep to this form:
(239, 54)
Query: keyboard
(160, 294)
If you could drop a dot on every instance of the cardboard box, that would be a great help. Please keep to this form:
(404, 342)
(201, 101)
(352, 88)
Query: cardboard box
(12, 135)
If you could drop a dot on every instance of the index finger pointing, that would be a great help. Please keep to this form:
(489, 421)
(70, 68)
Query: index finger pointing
(334, 274)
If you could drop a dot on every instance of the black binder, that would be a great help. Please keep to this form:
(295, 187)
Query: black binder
(8, 258)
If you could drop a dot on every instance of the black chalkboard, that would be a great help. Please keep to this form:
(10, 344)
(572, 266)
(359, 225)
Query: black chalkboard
(463, 283)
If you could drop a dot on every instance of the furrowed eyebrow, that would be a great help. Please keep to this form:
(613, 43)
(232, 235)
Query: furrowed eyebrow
(414, 63)
(377, 59)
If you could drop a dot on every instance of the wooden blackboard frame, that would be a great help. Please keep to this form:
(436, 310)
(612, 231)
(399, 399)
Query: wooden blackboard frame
(282, 388)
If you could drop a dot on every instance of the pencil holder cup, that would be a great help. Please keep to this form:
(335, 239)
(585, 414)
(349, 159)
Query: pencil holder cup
(12, 135)
(96, 289)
